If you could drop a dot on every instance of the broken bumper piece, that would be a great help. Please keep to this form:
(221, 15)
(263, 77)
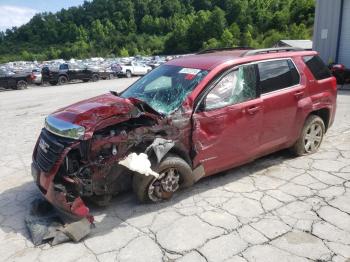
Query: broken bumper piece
(73, 210)
(45, 225)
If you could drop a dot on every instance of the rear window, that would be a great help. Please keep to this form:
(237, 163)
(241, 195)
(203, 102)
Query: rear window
(317, 67)
(276, 75)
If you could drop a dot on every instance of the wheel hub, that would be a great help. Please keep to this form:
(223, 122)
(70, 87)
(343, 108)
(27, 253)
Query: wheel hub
(164, 186)
(313, 137)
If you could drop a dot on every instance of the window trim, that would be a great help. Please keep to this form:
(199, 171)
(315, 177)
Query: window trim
(216, 80)
(278, 59)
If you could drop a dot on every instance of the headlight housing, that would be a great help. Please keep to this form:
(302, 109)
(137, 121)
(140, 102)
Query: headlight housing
(63, 128)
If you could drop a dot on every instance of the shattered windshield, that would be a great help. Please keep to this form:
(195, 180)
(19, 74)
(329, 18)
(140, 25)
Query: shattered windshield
(166, 87)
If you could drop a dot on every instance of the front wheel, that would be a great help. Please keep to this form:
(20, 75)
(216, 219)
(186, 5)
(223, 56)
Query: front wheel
(311, 136)
(128, 74)
(174, 173)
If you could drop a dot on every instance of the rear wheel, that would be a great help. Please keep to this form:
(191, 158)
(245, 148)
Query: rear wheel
(21, 84)
(95, 78)
(174, 173)
(311, 136)
(62, 80)
(128, 74)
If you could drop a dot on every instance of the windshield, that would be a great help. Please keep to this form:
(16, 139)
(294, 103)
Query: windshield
(166, 87)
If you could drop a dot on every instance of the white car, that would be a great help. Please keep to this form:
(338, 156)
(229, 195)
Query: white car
(36, 77)
(134, 68)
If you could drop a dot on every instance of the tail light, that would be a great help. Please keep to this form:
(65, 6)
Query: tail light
(337, 67)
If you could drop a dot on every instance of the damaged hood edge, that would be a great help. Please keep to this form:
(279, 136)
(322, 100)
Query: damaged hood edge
(101, 111)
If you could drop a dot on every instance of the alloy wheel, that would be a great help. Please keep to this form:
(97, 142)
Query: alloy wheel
(165, 185)
(313, 138)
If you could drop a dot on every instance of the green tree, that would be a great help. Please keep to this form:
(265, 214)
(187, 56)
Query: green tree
(106, 27)
(123, 52)
(227, 39)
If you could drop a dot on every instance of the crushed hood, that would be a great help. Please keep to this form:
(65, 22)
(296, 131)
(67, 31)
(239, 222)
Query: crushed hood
(92, 113)
(93, 110)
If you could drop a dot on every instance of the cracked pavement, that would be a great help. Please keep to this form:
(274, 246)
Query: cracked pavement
(278, 208)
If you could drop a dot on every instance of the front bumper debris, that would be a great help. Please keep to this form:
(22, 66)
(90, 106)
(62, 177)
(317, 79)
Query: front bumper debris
(45, 225)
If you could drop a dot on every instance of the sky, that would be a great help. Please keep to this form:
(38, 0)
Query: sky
(18, 12)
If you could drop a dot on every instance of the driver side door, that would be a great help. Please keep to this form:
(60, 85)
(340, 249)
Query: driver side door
(227, 124)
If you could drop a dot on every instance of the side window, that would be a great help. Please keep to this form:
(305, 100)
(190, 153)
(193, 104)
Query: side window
(64, 67)
(276, 75)
(317, 67)
(236, 87)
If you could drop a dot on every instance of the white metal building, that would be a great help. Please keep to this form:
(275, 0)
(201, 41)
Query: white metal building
(332, 31)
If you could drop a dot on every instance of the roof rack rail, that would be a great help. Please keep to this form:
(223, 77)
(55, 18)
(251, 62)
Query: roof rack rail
(213, 50)
(271, 50)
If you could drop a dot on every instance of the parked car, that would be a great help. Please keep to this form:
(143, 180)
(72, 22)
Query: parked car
(10, 80)
(341, 73)
(36, 77)
(134, 69)
(68, 72)
(189, 118)
(104, 72)
(116, 68)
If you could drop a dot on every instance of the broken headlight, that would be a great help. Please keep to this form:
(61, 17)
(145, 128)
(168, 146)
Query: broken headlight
(64, 129)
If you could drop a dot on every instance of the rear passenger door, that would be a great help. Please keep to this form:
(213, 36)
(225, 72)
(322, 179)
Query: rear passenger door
(280, 92)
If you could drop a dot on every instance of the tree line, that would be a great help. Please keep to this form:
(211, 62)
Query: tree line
(111, 28)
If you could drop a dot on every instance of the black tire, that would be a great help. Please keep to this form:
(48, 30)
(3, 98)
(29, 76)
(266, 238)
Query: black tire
(314, 128)
(38, 84)
(85, 80)
(95, 78)
(141, 183)
(62, 80)
(101, 201)
(128, 74)
(21, 84)
(53, 83)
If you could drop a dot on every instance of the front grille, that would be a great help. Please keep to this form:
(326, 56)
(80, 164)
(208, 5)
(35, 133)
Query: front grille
(49, 149)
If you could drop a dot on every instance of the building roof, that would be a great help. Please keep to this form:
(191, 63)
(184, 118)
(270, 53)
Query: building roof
(304, 44)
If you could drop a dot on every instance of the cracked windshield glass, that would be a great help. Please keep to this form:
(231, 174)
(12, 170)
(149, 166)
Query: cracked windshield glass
(166, 87)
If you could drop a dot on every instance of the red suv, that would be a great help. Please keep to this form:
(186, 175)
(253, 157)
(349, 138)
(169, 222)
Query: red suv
(192, 117)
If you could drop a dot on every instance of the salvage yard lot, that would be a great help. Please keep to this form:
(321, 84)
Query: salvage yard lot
(278, 208)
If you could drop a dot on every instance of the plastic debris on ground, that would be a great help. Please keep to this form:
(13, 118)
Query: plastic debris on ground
(45, 225)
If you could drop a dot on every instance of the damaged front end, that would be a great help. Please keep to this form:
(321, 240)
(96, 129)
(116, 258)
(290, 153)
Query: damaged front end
(83, 151)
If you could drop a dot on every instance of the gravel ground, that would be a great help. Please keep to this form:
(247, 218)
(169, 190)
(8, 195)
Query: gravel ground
(278, 208)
